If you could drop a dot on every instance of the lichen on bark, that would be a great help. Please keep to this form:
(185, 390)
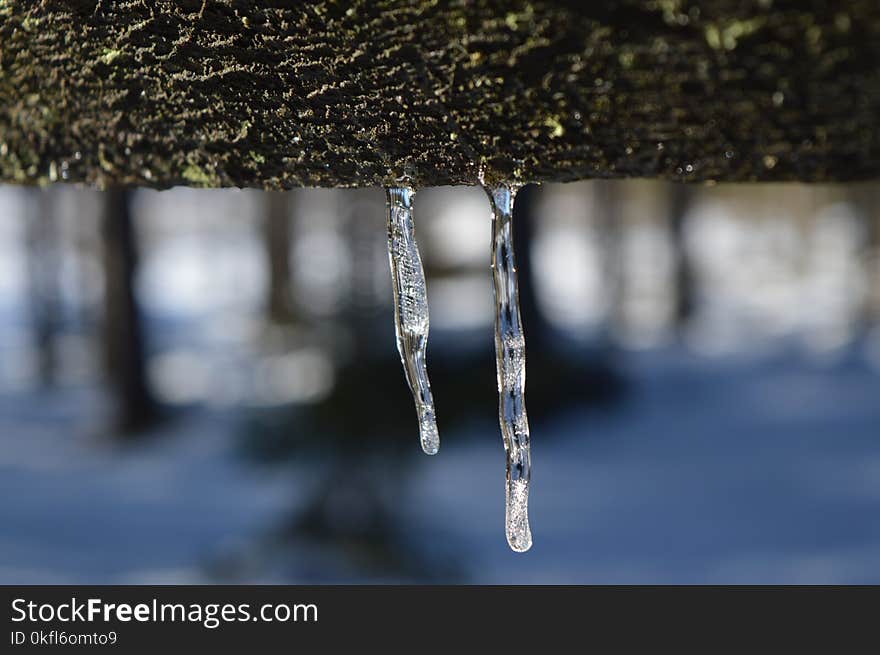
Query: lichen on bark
(279, 94)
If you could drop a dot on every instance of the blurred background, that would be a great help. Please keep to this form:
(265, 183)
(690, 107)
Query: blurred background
(202, 386)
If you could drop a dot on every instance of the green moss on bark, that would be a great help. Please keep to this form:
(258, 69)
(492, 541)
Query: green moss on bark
(280, 94)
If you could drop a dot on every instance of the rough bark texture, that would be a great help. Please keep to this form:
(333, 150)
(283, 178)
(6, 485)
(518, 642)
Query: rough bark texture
(280, 94)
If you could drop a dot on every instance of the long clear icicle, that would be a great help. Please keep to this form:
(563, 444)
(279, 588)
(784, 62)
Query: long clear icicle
(411, 309)
(510, 360)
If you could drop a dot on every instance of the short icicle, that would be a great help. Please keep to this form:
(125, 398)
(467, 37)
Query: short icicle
(411, 309)
(510, 359)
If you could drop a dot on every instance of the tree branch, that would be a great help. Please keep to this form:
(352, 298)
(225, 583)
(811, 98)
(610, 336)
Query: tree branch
(281, 94)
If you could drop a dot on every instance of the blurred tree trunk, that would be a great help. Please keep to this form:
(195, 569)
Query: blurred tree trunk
(537, 328)
(874, 281)
(363, 215)
(681, 201)
(43, 254)
(124, 349)
(866, 203)
(606, 207)
(277, 237)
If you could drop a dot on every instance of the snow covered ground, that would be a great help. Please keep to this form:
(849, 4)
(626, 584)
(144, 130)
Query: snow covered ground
(715, 470)
(76, 508)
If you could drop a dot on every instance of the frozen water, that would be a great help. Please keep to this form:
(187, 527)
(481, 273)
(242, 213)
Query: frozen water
(411, 310)
(510, 358)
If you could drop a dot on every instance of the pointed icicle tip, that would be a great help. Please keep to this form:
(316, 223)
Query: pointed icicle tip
(428, 434)
(411, 319)
(519, 534)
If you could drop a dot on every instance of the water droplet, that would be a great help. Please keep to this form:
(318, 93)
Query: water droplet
(770, 161)
(411, 309)
(510, 360)
(778, 99)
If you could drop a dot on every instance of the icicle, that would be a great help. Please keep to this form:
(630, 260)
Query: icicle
(411, 309)
(510, 359)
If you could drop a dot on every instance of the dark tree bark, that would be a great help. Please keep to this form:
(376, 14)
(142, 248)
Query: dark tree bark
(281, 94)
(124, 348)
